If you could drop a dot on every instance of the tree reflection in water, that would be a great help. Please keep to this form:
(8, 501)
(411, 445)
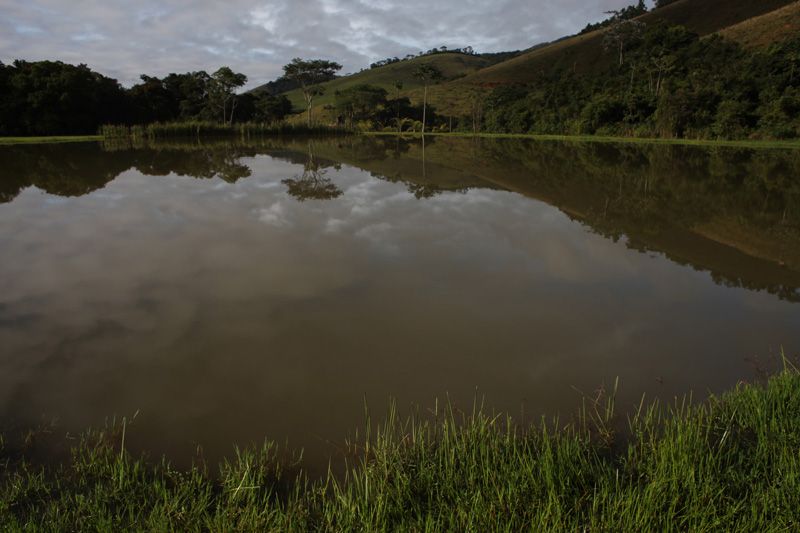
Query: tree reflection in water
(313, 184)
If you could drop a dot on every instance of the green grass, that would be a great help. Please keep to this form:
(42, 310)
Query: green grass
(731, 463)
(50, 139)
(784, 144)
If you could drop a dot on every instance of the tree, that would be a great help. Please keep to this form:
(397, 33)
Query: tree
(309, 74)
(224, 83)
(399, 86)
(189, 93)
(271, 108)
(51, 98)
(621, 34)
(427, 74)
(360, 102)
(313, 184)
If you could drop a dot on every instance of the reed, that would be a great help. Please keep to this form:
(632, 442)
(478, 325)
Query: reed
(202, 130)
(730, 463)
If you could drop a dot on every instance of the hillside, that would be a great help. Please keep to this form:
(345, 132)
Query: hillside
(754, 23)
(763, 30)
(585, 53)
(452, 65)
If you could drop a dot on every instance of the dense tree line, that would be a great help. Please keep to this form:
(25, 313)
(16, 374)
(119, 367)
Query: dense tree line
(51, 97)
(661, 81)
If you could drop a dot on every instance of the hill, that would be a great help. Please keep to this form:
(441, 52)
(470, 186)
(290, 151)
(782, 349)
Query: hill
(761, 31)
(754, 23)
(585, 53)
(452, 66)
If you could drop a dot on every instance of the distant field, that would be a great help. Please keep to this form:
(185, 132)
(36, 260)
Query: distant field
(762, 31)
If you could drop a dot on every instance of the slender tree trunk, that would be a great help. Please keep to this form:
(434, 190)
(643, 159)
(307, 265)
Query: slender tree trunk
(309, 102)
(399, 129)
(424, 107)
(633, 71)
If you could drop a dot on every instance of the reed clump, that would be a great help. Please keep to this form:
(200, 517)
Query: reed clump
(202, 129)
(731, 463)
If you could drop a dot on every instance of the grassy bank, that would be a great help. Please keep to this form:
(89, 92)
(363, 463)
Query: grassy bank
(732, 463)
(50, 139)
(204, 130)
(790, 144)
(200, 130)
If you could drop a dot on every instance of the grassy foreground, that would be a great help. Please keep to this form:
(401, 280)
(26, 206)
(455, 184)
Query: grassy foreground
(732, 463)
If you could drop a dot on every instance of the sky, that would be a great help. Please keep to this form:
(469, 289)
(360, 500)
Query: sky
(126, 38)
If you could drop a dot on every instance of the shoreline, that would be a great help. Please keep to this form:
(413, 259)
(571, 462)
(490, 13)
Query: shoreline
(50, 139)
(786, 144)
(755, 144)
(728, 463)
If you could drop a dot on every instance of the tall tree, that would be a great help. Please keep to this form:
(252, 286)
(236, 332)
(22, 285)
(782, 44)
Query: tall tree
(427, 74)
(309, 74)
(224, 83)
(622, 33)
(399, 86)
(361, 102)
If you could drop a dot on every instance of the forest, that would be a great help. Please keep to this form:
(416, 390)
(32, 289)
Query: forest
(55, 98)
(667, 82)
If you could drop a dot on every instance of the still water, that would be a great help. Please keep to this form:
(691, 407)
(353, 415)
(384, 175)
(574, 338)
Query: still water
(235, 292)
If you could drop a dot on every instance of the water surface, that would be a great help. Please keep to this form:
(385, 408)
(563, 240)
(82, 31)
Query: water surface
(235, 292)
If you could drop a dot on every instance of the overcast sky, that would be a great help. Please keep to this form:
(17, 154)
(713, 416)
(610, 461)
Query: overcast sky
(126, 38)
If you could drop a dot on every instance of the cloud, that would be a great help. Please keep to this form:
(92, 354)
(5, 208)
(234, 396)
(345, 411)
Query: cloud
(126, 39)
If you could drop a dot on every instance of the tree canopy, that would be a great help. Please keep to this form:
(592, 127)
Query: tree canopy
(309, 74)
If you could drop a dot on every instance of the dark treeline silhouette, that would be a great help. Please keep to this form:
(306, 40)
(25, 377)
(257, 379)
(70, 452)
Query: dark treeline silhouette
(52, 98)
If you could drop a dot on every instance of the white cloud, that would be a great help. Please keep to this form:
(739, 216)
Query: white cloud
(126, 39)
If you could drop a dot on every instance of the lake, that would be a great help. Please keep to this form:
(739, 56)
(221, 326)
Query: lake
(275, 289)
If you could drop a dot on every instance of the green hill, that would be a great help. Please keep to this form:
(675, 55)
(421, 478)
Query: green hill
(452, 66)
(585, 53)
(748, 21)
(762, 31)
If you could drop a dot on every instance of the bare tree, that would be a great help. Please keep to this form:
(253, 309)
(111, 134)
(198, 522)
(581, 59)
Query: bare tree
(427, 74)
(399, 86)
(621, 34)
(476, 109)
(662, 65)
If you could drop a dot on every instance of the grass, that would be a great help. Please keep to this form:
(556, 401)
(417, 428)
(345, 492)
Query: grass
(50, 139)
(784, 144)
(731, 463)
(760, 32)
(199, 129)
